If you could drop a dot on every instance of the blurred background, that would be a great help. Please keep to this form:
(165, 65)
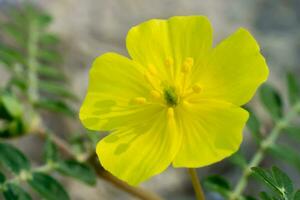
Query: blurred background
(90, 28)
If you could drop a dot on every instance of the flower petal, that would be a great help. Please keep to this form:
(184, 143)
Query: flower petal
(234, 71)
(154, 41)
(212, 131)
(114, 82)
(135, 153)
(190, 36)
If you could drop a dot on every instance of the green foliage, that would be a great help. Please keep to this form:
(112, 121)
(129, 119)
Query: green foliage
(279, 182)
(11, 105)
(71, 168)
(11, 113)
(286, 153)
(56, 89)
(77, 170)
(50, 153)
(297, 195)
(55, 106)
(218, 184)
(50, 72)
(48, 187)
(293, 132)
(284, 121)
(239, 160)
(44, 184)
(272, 101)
(14, 192)
(293, 88)
(34, 50)
(254, 125)
(13, 159)
(30, 55)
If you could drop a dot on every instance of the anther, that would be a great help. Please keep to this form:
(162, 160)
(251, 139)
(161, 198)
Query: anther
(190, 61)
(149, 79)
(152, 70)
(155, 94)
(170, 113)
(139, 100)
(169, 62)
(187, 65)
(196, 88)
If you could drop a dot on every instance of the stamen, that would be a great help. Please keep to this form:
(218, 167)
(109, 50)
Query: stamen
(169, 62)
(196, 88)
(149, 78)
(155, 94)
(152, 69)
(139, 100)
(170, 113)
(187, 65)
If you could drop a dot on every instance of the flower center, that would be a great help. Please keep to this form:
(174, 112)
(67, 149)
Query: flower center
(171, 90)
(170, 96)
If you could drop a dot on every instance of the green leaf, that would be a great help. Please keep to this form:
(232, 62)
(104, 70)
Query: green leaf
(249, 198)
(265, 196)
(266, 176)
(51, 72)
(49, 39)
(55, 106)
(50, 56)
(18, 18)
(50, 151)
(20, 84)
(2, 177)
(48, 187)
(93, 137)
(297, 195)
(12, 129)
(77, 170)
(13, 159)
(238, 159)
(10, 56)
(56, 89)
(43, 20)
(12, 104)
(286, 153)
(293, 131)
(218, 184)
(14, 192)
(276, 180)
(14, 32)
(283, 182)
(253, 124)
(4, 114)
(271, 101)
(37, 16)
(293, 88)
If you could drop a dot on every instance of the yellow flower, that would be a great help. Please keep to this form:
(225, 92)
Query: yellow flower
(176, 101)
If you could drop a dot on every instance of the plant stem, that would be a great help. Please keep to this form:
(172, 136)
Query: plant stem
(32, 50)
(135, 191)
(259, 155)
(196, 184)
(26, 175)
(102, 173)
